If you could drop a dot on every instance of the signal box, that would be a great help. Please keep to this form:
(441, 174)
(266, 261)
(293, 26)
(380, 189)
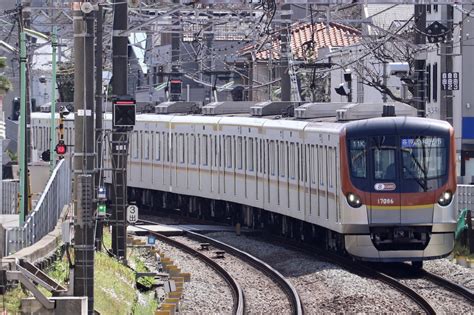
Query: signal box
(123, 113)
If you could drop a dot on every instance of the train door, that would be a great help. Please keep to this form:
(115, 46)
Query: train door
(331, 184)
(384, 203)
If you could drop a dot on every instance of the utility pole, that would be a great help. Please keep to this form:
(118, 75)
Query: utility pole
(98, 113)
(52, 152)
(285, 82)
(420, 62)
(119, 135)
(84, 191)
(446, 99)
(23, 160)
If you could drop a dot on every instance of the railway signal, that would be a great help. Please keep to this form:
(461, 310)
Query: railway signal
(61, 149)
(124, 113)
(46, 156)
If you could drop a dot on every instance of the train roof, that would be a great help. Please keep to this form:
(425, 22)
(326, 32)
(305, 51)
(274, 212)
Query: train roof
(378, 125)
(397, 125)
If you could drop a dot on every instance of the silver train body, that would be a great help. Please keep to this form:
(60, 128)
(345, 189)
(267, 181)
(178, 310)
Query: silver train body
(299, 169)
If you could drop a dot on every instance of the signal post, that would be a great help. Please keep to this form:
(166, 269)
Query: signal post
(123, 120)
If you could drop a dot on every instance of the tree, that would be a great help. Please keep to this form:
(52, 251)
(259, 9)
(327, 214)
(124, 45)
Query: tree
(65, 81)
(5, 84)
(377, 53)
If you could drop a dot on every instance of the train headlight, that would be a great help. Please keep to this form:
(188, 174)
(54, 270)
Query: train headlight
(445, 198)
(353, 200)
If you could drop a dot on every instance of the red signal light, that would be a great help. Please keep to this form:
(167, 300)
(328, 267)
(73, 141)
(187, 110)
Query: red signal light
(61, 148)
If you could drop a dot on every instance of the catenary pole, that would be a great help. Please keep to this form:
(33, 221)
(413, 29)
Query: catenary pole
(119, 137)
(84, 154)
(98, 111)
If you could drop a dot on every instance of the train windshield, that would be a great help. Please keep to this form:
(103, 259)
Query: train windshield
(416, 163)
(423, 158)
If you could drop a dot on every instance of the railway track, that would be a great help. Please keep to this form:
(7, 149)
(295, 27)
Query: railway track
(273, 275)
(449, 285)
(238, 307)
(435, 289)
(360, 269)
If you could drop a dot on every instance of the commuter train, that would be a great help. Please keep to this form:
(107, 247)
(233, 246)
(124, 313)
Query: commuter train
(380, 189)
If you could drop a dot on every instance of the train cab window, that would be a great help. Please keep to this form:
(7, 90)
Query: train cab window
(384, 164)
(424, 157)
(358, 157)
(384, 149)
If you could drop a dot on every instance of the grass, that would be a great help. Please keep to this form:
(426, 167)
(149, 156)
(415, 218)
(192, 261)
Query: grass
(461, 250)
(11, 300)
(146, 304)
(146, 282)
(114, 289)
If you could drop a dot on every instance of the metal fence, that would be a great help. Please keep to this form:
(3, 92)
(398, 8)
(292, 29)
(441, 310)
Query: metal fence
(44, 217)
(465, 195)
(9, 196)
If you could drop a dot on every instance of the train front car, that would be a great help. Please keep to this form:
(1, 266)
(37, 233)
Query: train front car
(398, 176)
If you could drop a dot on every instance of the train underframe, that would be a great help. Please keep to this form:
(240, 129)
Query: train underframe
(232, 213)
(259, 219)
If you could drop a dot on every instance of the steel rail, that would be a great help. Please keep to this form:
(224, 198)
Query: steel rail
(454, 287)
(239, 299)
(288, 289)
(359, 269)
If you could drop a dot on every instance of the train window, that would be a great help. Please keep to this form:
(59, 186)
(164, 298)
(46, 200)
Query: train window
(281, 160)
(181, 148)
(358, 157)
(166, 146)
(172, 147)
(313, 162)
(192, 150)
(239, 153)
(272, 157)
(331, 166)
(228, 151)
(424, 157)
(157, 137)
(204, 153)
(146, 146)
(322, 167)
(292, 161)
(384, 163)
(250, 161)
(135, 145)
(302, 164)
(216, 153)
